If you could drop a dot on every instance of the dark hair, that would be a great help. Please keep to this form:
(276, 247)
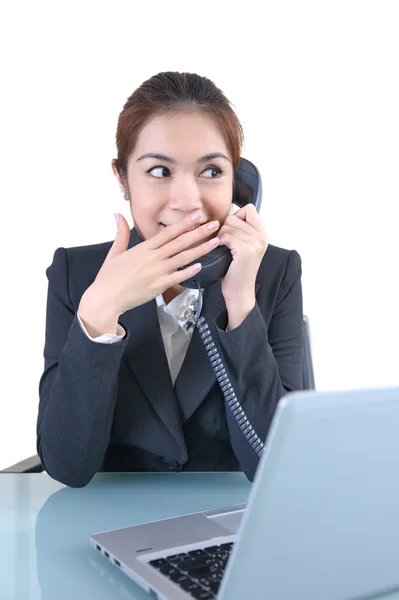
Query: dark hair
(172, 92)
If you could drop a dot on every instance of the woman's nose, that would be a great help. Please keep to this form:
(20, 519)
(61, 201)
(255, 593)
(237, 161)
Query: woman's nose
(184, 195)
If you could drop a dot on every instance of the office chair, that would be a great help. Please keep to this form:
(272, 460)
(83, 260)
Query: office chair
(308, 381)
(33, 464)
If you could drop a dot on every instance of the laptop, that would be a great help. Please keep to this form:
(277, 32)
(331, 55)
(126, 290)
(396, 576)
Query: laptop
(322, 519)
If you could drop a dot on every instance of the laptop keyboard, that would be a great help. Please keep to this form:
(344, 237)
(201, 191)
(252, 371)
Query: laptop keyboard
(198, 572)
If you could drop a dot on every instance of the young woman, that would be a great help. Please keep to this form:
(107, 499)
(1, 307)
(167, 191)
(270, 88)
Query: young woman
(126, 385)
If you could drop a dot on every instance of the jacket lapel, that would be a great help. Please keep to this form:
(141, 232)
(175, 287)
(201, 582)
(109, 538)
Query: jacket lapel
(196, 376)
(146, 358)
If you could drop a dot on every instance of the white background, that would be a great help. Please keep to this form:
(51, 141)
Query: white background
(315, 85)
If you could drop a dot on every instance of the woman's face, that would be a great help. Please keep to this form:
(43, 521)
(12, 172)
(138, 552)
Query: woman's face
(180, 165)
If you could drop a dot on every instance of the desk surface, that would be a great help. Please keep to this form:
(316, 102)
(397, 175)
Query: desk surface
(45, 527)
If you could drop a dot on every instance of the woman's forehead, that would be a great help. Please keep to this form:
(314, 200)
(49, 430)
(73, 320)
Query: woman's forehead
(181, 135)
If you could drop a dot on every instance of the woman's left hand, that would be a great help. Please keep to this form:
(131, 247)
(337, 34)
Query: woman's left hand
(243, 233)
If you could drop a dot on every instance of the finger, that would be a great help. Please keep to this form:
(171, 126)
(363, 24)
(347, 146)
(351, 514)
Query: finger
(173, 231)
(249, 214)
(185, 258)
(246, 236)
(178, 276)
(188, 239)
(237, 246)
(239, 224)
(122, 238)
(232, 242)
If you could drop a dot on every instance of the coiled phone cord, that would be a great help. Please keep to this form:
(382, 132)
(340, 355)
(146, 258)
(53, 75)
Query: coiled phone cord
(224, 381)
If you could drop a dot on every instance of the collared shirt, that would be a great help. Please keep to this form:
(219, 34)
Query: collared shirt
(175, 338)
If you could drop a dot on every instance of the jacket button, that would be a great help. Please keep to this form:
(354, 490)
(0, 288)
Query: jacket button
(170, 465)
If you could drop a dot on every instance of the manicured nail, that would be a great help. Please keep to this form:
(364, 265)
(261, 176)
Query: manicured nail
(213, 242)
(196, 267)
(195, 216)
(213, 225)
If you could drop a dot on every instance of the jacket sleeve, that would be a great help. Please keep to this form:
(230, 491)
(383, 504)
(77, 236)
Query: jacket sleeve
(264, 363)
(106, 338)
(77, 389)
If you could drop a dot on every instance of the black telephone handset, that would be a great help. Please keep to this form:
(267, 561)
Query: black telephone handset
(247, 190)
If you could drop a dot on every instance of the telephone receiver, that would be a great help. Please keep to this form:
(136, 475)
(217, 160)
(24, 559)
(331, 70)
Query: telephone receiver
(247, 189)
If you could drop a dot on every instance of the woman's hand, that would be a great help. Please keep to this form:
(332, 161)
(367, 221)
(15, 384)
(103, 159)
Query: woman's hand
(131, 277)
(243, 233)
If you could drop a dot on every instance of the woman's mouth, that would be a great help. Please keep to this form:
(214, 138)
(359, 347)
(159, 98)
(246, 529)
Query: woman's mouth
(191, 228)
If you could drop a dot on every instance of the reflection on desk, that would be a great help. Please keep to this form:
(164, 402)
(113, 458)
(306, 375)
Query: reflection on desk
(45, 527)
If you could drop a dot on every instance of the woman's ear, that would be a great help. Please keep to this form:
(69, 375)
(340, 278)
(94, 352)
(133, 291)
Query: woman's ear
(121, 180)
(115, 170)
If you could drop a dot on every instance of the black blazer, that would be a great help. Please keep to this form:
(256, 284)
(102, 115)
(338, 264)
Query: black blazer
(113, 407)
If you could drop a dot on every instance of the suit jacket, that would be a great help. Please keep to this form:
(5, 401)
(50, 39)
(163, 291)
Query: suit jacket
(113, 407)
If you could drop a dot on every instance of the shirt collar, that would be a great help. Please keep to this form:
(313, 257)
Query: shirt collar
(174, 307)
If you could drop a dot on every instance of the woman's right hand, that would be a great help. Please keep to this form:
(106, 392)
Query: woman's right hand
(129, 278)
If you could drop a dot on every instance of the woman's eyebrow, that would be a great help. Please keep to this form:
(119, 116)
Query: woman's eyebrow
(213, 155)
(171, 160)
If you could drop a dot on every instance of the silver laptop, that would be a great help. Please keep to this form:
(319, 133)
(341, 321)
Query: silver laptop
(322, 521)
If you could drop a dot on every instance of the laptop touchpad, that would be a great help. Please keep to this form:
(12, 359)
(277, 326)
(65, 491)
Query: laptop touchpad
(230, 521)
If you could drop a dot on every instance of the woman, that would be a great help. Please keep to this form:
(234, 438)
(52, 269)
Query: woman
(126, 385)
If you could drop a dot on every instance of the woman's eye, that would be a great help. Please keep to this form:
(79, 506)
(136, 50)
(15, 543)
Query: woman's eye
(159, 172)
(212, 172)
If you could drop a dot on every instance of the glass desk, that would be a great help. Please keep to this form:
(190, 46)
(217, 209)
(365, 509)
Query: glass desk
(45, 527)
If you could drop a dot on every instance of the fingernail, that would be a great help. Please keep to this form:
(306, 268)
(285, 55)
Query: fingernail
(117, 218)
(213, 225)
(195, 216)
(213, 242)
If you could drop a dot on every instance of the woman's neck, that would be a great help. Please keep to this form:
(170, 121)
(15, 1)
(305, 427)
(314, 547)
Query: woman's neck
(172, 292)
